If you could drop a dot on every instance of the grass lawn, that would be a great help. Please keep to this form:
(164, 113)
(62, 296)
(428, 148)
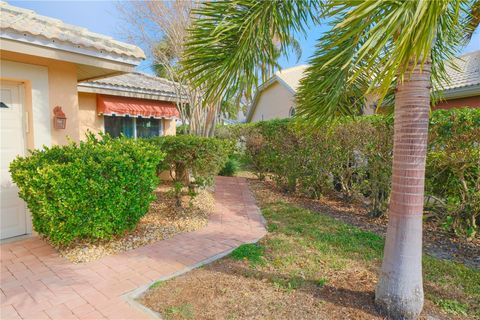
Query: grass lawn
(309, 266)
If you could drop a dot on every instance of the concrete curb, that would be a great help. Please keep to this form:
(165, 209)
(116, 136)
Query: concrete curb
(133, 296)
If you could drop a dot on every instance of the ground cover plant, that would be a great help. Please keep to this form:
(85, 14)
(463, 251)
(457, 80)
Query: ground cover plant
(309, 266)
(96, 189)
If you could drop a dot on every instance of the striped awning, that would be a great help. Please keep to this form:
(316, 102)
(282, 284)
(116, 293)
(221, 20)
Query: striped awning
(133, 107)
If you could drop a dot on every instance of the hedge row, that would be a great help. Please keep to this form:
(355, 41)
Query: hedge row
(354, 156)
(101, 188)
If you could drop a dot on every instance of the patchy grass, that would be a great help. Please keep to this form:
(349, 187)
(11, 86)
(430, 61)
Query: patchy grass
(183, 311)
(250, 252)
(157, 284)
(452, 286)
(308, 266)
(453, 306)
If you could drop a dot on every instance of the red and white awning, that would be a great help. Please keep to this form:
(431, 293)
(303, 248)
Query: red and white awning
(133, 107)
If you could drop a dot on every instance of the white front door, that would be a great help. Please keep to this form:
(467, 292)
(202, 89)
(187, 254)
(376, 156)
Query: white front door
(13, 211)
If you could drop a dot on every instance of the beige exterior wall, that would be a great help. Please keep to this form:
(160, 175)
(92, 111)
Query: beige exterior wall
(62, 91)
(274, 102)
(89, 120)
(169, 127)
(79, 108)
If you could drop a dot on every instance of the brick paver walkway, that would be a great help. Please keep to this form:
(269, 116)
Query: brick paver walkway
(38, 284)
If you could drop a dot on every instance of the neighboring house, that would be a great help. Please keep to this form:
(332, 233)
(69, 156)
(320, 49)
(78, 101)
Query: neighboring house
(42, 62)
(274, 99)
(133, 104)
(463, 89)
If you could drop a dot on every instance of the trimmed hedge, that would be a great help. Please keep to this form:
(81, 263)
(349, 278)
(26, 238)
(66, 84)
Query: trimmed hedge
(453, 168)
(92, 190)
(193, 160)
(354, 156)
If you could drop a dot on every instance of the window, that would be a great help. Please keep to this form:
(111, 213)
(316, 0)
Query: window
(132, 127)
(115, 126)
(148, 127)
(291, 113)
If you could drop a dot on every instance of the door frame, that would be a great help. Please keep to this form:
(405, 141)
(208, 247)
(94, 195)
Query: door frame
(24, 127)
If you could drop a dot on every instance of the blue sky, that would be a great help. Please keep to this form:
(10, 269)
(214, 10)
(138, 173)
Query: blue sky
(103, 17)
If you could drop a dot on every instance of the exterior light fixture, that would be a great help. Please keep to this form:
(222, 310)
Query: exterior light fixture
(59, 118)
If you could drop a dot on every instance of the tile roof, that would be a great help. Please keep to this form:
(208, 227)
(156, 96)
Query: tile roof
(291, 76)
(468, 73)
(28, 26)
(134, 82)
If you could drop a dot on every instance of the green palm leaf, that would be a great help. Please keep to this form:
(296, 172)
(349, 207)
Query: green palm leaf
(369, 48)
(230, 39)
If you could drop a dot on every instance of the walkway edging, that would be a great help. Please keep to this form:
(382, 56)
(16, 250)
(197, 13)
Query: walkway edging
(133, 296)
(36, 283)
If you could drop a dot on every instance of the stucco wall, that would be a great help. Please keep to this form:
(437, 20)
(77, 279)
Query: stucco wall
(169, 127)
(473, 102)
(89, 120)
(62, 91)
(274, 103)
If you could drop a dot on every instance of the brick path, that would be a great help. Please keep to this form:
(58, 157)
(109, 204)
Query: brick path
(38, 284)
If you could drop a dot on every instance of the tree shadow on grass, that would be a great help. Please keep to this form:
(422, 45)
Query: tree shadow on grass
(342, 297)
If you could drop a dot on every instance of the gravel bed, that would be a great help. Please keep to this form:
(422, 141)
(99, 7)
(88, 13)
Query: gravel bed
(162, 221)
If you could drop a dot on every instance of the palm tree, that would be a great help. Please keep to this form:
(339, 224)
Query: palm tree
(371, 47)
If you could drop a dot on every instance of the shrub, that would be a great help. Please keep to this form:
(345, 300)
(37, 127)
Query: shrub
(453, 168)
(193, 160)
(353, 156)
(231, 167)
(92, 190)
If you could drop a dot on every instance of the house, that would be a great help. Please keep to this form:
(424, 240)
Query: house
(51, 92)
(463, 89)
(274, 99)
(132, 104)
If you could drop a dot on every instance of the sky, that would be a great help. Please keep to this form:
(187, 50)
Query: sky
(103, 17)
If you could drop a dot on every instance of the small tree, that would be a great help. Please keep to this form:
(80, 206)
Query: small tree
(160, 27)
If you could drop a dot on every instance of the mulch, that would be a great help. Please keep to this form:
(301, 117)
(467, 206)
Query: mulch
(163, 220)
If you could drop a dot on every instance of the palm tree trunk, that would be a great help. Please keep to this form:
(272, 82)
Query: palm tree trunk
(399, 291)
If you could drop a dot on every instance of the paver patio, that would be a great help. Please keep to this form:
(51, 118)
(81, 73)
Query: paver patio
(36, 283)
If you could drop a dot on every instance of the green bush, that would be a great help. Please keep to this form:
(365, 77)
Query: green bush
(193, 160)
(92, 190)
(453, 168)
(231, 167)
(353, 157)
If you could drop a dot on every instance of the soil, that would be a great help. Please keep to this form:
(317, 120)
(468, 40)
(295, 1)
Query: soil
(437, 242)
(162, 221)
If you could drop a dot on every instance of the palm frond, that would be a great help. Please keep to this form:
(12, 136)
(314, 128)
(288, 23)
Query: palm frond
(475, 18)
(228, 40)
(371, 45)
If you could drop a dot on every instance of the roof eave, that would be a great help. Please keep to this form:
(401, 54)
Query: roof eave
(127, 92)
(461, 92)
(261, 88)
(41, 41)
